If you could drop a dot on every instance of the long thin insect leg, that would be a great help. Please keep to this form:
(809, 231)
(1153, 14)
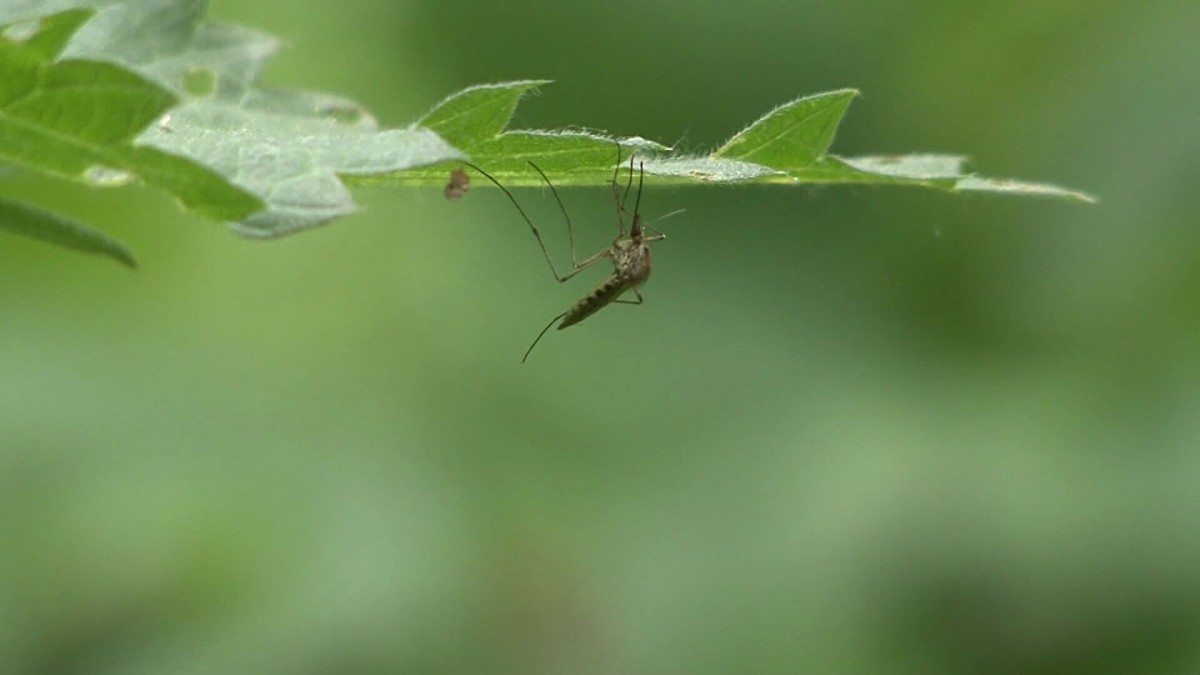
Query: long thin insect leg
(587, 262)
(637, 302)
(567, 216)
(536, 234)
(539, 336)
(631, 302)
(576, 265)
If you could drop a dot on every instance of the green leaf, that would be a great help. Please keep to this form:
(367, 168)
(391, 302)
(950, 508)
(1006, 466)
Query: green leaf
(572, 157)
(183, 111)
(78, 119)
(112, 91)
(31, 221)
(788, 146)
(478, 113)
(793, 135)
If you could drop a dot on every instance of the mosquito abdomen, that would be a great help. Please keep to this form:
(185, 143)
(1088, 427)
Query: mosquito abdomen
(593, 302)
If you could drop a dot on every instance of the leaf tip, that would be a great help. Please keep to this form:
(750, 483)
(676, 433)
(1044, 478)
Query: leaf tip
(511, 84)
(1005, 186)
(126, 258)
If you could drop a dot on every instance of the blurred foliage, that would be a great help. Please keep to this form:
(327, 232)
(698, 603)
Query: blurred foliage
(29, 221)
(851, 430)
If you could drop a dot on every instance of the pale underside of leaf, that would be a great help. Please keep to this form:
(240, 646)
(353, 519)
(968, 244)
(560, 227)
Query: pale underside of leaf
(294, 163)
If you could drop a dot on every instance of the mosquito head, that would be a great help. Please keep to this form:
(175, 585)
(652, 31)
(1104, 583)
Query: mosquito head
(636, 230)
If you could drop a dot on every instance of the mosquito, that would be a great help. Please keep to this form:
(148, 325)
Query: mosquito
(629, 252)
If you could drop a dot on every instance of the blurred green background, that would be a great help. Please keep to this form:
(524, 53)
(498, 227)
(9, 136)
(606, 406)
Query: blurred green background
(851, 430)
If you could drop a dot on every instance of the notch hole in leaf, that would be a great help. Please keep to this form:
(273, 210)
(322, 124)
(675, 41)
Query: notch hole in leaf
(199, 82)
(22, 30)
(346, 115)
(98, 174)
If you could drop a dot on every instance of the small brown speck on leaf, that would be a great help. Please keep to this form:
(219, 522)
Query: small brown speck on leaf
(459, 185)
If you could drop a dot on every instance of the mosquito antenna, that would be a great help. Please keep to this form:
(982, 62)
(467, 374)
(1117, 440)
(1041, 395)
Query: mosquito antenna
(539, 336)
(570, 230)
(637, 204)
(617, 192)
(520, 210)
(628, 184)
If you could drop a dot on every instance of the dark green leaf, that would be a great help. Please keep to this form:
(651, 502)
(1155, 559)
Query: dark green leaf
(793, 135)
(31, 221)
(477, 114)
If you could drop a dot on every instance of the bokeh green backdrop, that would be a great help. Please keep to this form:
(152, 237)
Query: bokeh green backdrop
(851, 430)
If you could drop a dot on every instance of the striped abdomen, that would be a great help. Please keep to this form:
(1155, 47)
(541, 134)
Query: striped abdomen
(593, 302)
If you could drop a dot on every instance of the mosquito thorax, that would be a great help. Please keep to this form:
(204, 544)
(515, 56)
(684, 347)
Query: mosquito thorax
(631, 260)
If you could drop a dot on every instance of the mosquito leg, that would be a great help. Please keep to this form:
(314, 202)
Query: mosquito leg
(631, 302)
(576, 265)
(579, 267)
(566, 216)
(536, 235)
